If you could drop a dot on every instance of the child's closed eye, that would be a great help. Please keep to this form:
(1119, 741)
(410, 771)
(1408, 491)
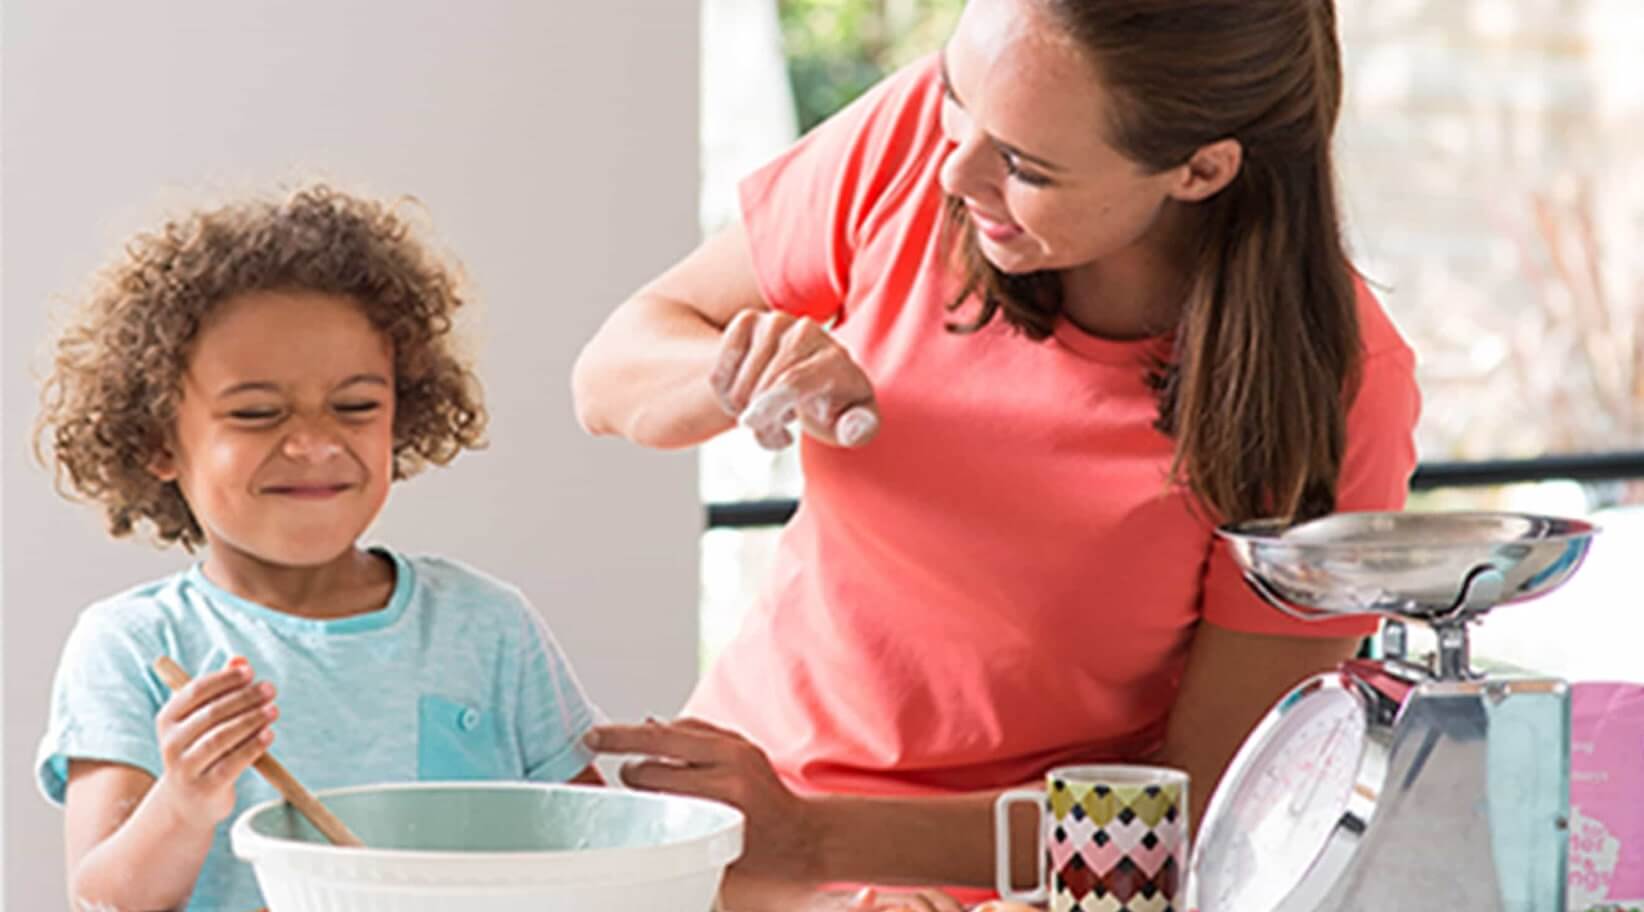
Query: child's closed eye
(362, 408)
(258, 414)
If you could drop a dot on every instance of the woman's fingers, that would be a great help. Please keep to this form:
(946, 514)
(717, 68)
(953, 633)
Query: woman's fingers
(660, 740)
(702, 725)
(665, 776)
(774, 368)
(856, 425)
(733, 348)
(763, 345)
(828, 393)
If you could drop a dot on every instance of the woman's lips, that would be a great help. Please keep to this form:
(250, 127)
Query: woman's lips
(995, 230)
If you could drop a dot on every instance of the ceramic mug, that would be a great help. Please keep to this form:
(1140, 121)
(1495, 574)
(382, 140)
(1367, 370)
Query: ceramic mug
(1112, 838)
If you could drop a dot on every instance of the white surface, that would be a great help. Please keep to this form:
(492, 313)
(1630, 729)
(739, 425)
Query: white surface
(557, 156)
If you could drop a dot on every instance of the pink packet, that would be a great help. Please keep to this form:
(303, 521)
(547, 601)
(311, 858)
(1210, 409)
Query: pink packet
(1606, 797)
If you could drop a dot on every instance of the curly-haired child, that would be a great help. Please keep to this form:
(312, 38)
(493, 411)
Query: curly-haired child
(251, 380)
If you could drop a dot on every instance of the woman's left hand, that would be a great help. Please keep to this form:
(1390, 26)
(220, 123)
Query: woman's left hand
(692, 757)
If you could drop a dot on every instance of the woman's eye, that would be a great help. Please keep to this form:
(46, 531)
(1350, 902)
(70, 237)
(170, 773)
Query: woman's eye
(1014, 168)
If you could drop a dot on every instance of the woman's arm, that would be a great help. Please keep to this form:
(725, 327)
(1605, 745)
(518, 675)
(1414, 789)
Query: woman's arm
(699, 347)
(1230, 682)
(644, 375)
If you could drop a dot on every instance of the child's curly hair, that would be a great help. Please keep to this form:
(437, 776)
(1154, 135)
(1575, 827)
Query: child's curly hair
(110, 402)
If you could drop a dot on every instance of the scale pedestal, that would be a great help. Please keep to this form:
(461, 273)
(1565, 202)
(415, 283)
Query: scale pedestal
(1386, 784)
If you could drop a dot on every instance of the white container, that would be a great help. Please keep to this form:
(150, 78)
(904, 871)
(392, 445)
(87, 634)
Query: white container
(494, 847)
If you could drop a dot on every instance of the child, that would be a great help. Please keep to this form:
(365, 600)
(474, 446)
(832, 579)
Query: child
(252, 379)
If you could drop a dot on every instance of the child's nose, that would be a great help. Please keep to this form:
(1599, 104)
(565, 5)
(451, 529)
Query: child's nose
(310, 444)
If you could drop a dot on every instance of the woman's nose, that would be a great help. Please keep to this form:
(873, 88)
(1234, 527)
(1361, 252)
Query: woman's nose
(964, 173)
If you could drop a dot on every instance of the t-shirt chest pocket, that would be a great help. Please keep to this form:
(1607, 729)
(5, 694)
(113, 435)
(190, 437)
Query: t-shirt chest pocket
(457, 740)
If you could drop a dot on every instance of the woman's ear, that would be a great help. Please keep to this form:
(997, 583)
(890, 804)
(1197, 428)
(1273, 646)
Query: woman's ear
(1210, 169)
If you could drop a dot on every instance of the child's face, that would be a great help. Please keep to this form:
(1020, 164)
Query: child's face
(284, 436)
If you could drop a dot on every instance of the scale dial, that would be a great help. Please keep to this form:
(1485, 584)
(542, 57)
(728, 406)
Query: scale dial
(1282, 798)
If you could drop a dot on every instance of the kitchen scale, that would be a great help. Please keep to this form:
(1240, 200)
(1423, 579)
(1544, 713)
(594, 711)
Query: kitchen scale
(1386, 784)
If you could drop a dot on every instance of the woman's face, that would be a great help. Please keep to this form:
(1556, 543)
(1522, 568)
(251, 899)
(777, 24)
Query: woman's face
(1029, 119)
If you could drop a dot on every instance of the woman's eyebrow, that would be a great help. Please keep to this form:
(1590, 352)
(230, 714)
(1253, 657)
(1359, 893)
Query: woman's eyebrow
(947, 86)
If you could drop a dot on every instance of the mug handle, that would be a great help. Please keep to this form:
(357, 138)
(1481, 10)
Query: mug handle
(1001, 845)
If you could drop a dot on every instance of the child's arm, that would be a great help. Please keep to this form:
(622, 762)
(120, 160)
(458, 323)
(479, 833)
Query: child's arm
(134, 843)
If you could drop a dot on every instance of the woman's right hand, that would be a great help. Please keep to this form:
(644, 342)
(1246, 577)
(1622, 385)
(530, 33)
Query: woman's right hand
(774, 367)
(210, 731)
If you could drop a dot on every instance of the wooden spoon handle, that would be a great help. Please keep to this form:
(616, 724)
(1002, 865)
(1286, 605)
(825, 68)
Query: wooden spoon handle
(277, 775)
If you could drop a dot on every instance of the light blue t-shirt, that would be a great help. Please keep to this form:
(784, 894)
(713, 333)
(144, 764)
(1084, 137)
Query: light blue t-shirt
(456, 678)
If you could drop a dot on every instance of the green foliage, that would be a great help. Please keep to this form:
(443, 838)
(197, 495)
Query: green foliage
(838, 48)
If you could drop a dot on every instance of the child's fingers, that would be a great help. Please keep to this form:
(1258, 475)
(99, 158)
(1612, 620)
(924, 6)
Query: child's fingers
(230, 765)
(225, 707)
(226, 737)
(203, 690)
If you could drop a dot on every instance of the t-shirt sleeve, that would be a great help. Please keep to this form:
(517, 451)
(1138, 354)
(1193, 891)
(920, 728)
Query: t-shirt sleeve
(554, 713)
(103, 702)
(1375, 475)
(805, 211)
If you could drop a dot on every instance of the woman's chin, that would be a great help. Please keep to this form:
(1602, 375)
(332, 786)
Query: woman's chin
(1009, 259)
(1011, 265)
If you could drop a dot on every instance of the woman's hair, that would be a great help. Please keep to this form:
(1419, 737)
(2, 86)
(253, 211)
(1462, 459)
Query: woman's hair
(1267, 354)
(110, 403)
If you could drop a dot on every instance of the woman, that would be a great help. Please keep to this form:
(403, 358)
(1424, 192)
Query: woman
(1086, 298)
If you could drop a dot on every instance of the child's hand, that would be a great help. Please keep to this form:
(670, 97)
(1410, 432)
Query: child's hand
(210, 731)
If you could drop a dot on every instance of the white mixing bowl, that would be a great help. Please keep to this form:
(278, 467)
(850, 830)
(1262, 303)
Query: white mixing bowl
(494, 847)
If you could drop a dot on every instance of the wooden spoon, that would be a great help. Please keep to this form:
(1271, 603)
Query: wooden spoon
(282, 780)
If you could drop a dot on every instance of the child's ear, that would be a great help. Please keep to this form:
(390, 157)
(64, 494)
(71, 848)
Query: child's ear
(163, 465)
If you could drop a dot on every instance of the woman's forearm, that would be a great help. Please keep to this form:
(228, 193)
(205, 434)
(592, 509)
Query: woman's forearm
(151, 862)
(644, 376)
(922, 841)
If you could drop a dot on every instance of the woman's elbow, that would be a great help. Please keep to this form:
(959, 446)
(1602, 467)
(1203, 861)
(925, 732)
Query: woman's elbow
(587, 383)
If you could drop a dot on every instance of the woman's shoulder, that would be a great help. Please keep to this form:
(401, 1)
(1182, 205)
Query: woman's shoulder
(1378, 333)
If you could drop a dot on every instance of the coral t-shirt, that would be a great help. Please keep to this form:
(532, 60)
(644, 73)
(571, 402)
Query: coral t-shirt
(1005, 579)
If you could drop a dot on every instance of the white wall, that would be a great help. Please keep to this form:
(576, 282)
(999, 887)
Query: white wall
(555, 145)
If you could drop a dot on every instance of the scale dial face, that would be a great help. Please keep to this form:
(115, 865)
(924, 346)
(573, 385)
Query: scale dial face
(1282, 797)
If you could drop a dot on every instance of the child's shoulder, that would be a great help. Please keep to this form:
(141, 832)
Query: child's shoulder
(145, 612)
(450, 582)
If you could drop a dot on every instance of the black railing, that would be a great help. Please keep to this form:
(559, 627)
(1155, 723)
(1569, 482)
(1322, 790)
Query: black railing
(1620, 466)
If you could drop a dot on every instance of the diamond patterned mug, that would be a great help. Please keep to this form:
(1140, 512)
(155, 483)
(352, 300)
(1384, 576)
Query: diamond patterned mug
(1112, 838)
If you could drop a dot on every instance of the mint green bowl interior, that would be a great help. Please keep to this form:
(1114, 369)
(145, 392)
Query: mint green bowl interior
(492, 818)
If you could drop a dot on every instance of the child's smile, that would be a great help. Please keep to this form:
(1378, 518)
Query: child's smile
(284, 434)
